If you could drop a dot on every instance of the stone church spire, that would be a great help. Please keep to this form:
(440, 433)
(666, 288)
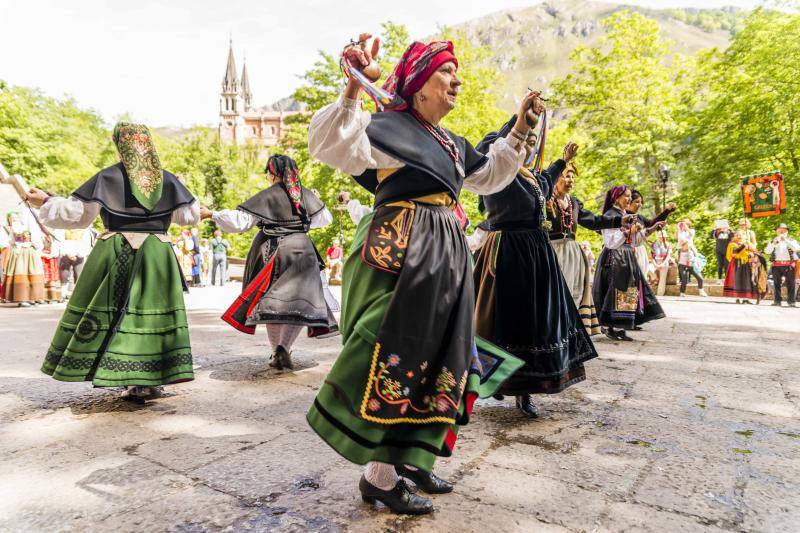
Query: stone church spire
(247, 95)
(230, 83)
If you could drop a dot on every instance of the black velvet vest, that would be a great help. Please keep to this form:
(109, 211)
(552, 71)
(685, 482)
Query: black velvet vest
(119, 209)
(429, 169)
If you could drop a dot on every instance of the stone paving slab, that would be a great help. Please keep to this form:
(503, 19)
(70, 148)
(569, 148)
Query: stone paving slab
(695, 426)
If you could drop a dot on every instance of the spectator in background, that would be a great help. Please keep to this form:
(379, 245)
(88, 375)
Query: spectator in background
(205, 260)
(197, 260)
(219, 248)
(686, 233)
(783, 252)
(24, 276)
(76, 246)
(52, 274)
(334, 259)
(661, 252)
(722, 235)
(686, 268)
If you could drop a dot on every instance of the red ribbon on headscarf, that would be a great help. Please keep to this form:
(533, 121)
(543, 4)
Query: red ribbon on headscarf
(417, 65)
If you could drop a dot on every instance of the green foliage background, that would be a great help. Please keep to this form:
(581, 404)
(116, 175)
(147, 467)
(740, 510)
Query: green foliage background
(631, 103)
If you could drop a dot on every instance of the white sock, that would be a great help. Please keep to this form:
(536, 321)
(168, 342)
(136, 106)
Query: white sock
(381, 475)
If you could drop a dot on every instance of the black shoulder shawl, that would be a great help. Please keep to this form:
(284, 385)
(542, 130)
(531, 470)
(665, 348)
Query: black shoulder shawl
(273, 207)
(399, 135)
(112, 190)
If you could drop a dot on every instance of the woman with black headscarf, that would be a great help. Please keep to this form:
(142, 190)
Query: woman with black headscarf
(523, 303)
(281, 286)
(623, 297)
(125, 323)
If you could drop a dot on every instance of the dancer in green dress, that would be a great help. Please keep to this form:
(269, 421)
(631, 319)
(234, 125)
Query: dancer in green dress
(125, 324)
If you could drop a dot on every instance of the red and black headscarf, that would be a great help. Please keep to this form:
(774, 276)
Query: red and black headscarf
(613, 195)
(417, 65)
(284, 167)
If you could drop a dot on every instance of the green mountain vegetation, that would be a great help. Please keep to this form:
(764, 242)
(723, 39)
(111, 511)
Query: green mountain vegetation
(712, 94)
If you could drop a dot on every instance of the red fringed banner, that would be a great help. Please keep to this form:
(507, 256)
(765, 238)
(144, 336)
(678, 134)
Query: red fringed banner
(764, 194)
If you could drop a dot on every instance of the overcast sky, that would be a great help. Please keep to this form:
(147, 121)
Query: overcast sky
(163, 62)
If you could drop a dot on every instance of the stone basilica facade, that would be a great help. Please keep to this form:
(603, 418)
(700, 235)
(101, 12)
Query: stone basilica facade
(240, 122)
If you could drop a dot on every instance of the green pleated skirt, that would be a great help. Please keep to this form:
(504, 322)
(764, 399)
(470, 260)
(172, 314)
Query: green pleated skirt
(151, 343)
(334, 414)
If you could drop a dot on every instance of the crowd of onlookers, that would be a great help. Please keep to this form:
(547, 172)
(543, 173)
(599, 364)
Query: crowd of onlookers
(734, 250)
(40, 265)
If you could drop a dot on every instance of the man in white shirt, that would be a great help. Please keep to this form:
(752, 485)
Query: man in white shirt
(783, 254)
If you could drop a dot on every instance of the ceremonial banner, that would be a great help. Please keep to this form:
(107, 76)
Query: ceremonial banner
(764, 194)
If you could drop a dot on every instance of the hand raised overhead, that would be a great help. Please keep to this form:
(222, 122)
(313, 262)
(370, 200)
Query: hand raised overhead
(570, 151)
(364, 60)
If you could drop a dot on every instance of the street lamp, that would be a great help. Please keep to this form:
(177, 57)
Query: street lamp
(663, 180)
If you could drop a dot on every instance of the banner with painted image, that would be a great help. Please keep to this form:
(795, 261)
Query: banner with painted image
(764, 194)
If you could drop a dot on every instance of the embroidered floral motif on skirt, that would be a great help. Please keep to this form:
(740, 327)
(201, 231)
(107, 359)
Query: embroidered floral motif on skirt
(365, 372)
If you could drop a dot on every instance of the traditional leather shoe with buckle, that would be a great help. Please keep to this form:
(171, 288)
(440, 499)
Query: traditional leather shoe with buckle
(400, 499)
(425, 481)
(525, 405)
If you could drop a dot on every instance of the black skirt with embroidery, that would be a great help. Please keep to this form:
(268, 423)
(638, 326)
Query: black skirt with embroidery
(525, 307)
(621, 293)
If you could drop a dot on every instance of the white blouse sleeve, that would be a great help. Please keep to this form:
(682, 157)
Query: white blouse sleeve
(68, 213)
(357, 211)
(505, 157)
(321, 219)
(188, 215)
(477, 239)
(233, 220)
(337, 136)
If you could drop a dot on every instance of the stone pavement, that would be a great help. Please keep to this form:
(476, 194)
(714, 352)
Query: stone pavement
(695, 427)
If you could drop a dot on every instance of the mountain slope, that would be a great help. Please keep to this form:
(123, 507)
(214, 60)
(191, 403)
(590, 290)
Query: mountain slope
(532, 45)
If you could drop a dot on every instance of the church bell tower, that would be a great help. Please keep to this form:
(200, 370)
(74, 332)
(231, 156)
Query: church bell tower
(231, 106)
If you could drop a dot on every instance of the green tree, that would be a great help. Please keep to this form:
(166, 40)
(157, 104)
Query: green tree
(745, 118)
(52, 143)
(623, 96)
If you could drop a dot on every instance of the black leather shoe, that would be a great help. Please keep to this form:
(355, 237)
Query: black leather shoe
(400, 499)
(621, 335)
(425, 481)
(776, 304)
(524, 404)
(281, 359)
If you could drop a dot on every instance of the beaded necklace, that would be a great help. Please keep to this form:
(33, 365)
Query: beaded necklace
(442, 138)
(531, 178)
(566, 216)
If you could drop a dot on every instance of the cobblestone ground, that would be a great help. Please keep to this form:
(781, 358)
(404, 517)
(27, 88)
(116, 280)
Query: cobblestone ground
(694, 427)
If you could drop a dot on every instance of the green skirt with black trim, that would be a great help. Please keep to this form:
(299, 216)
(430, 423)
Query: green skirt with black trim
(334, 413)
(151, 343)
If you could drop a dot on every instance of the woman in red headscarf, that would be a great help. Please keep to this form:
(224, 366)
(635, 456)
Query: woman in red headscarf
(623, 297)
(406, 375)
